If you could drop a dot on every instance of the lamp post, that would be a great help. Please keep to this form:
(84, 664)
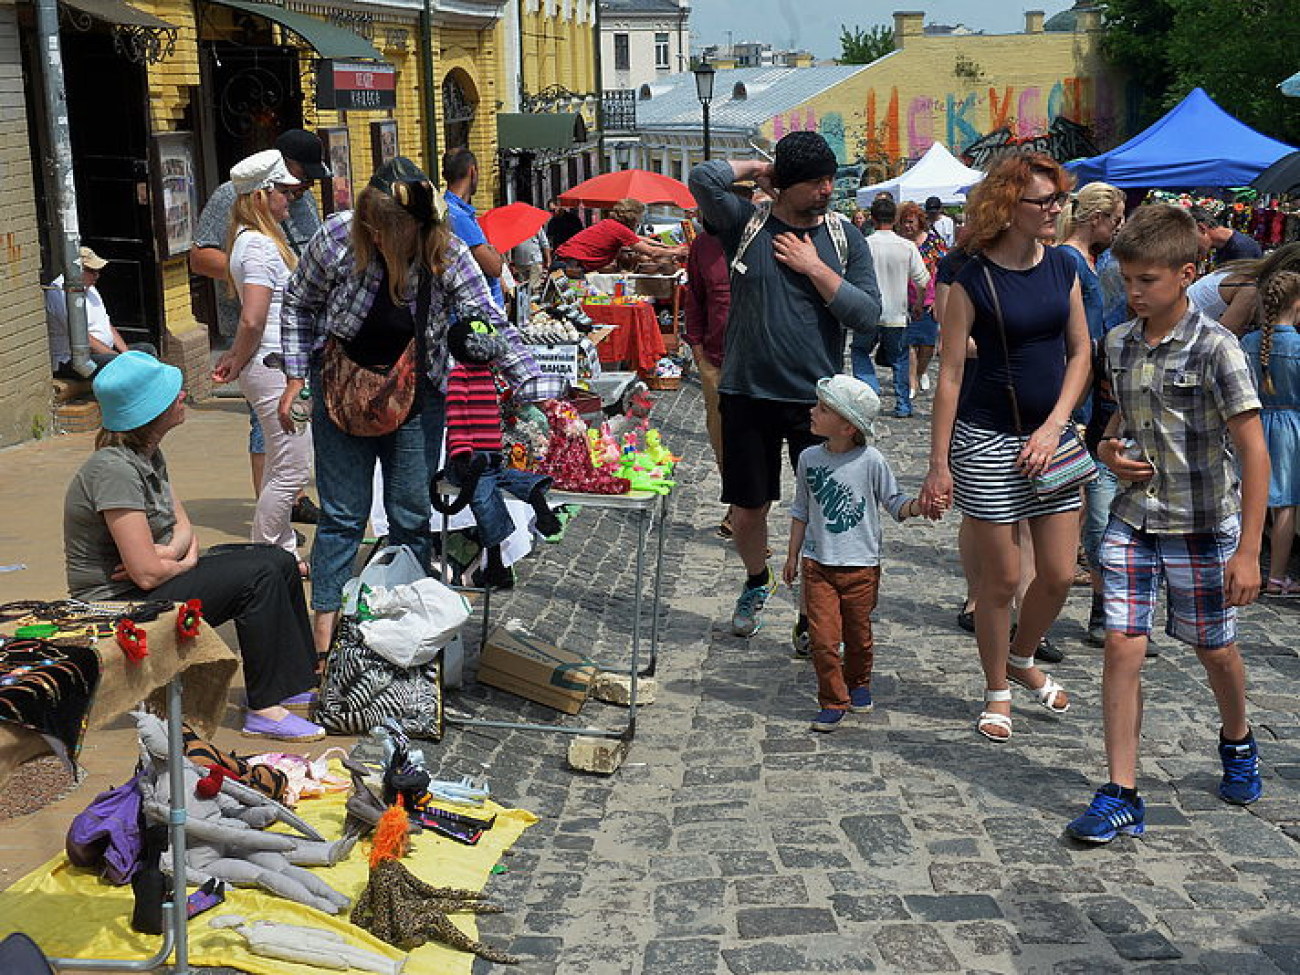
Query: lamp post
(704, 73)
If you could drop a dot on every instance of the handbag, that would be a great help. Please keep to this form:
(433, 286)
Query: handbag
(1070, 466)
(366, 402)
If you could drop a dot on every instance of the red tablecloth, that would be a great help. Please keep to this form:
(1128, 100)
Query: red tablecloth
(635, 338)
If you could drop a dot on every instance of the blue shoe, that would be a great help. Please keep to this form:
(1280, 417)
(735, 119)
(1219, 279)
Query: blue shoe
(1241, 784)
(828, 719)
(1108, 815)
(860, 700)
(745, 621)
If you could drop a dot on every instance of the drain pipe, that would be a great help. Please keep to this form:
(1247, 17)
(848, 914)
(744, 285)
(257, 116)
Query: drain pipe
(68, 234)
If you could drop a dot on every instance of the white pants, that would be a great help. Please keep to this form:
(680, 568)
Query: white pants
(288, 457)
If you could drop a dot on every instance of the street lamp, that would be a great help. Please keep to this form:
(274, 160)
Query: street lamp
(704, 73)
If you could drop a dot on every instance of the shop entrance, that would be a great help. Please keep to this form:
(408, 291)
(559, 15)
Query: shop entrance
(257, 94)
(107, 100)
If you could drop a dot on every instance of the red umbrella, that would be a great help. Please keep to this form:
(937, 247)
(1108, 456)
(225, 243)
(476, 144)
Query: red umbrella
(602, 192)
(512, 224)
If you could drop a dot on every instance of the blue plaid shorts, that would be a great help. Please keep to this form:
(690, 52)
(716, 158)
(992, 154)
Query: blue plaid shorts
(1134, 562)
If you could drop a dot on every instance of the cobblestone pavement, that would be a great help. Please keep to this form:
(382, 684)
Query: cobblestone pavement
(734, 840)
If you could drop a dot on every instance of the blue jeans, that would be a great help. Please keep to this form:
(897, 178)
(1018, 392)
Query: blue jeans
(490, 513)
(894, 350)
(1097, 497)
(345, 468)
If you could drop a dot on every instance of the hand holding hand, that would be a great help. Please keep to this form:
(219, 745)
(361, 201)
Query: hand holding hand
(936, 493)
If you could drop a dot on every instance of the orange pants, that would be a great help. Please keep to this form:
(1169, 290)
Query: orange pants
(840, 600)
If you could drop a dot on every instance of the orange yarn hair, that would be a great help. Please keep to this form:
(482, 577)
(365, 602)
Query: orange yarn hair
(391, 840)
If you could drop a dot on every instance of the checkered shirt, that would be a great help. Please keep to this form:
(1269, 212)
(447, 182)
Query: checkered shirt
(1176, 399)
(325, 296)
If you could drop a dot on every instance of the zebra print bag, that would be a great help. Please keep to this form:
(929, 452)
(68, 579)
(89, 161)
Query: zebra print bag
(361, 689)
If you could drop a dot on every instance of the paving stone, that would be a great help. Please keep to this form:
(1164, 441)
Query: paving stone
(1114, 915)
(685, 956)
(952, 907)
(739, 863)
(1088, 965)
(869, 907)
(1049, 922)
(806, 858)
(985, 938)
(779, 922)
(1144, 946)
(1223, 896)
(952, 878)
(685, 867)
(766, 890)
(690, 907)
(914, 948)
(763, 959)
(1285, 957)
(880, 840)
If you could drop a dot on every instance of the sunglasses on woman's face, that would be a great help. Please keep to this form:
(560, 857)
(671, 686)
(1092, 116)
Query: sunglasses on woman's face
(1047, 202)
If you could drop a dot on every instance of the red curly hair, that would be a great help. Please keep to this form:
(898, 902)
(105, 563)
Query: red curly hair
(910, 208)
(994, 199)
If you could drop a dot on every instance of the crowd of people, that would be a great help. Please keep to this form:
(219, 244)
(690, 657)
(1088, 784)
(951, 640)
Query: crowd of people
(1069, 332)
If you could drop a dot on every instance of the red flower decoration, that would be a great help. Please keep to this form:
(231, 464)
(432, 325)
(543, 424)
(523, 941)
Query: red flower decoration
(132, 639)
(188, 619)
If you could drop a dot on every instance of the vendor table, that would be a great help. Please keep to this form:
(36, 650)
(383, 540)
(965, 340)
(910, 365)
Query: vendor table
(636, 337)
(647, 506)
(207, 666)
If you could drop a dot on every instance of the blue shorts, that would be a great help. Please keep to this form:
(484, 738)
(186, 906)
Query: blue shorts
(923, 330)
(256, 439)
(1193, 566)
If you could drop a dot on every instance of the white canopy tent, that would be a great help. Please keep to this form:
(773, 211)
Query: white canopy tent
(937, 173)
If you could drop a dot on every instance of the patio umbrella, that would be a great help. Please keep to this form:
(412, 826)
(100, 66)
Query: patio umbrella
(1281, 177)
(1291, 86)
(602, 192)
(512, 224)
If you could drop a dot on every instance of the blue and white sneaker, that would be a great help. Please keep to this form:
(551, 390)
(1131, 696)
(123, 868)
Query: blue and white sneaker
(860, 700)
(1109, 815)
(828, 719)
(1241, 784)
(746, 620)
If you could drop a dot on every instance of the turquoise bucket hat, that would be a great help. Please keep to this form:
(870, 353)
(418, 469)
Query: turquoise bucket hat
(134, 389)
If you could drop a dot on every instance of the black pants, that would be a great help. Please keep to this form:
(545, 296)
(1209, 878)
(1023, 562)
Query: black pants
(259, 587)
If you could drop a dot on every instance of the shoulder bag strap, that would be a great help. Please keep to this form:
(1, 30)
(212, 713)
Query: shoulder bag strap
(1006, 350)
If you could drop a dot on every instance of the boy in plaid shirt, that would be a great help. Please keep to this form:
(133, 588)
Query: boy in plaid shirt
(1187, 407)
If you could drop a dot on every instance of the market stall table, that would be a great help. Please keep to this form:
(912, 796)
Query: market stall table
(636, 338)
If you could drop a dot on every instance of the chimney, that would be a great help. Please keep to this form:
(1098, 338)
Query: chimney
(1087, 20)
(1033, 21)
(907, 23)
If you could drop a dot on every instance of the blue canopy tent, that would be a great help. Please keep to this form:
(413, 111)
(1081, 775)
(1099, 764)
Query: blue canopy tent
(1195, 144)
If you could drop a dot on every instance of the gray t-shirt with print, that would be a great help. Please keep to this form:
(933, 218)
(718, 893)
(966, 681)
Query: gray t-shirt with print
(839, 497)
(113, 478)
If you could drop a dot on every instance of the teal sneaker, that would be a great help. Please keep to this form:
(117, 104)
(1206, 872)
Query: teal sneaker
(747, 620)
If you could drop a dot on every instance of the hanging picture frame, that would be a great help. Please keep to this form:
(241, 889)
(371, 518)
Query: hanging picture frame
(175, 192)
(383, 141)
(336, 192)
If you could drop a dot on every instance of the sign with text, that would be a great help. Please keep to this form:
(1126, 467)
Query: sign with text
(557, 360)
(360, 85)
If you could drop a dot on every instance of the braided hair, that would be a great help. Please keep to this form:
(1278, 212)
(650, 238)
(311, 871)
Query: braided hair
(1277, 294)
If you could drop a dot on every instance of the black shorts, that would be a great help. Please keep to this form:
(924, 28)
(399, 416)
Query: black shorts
(752, 433)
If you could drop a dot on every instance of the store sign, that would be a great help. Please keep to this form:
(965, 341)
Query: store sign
(361, 85)
(556, 360)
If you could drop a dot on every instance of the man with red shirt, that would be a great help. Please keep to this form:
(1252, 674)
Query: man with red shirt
(598, 246)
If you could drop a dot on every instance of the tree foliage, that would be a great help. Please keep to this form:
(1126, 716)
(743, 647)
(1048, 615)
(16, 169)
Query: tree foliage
(1237, 50)
(864, 45)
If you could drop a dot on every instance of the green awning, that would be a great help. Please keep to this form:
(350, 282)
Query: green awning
(327, 40)
(540, 130)
(117, 12)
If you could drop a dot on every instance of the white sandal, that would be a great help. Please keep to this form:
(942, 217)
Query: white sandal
(1047, 693)
(992, 719)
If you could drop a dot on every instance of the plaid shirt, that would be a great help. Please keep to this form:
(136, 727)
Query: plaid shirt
(1175, 400)
(326, 297)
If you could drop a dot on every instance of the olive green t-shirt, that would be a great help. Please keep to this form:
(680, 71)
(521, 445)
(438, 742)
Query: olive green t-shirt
(113, 478)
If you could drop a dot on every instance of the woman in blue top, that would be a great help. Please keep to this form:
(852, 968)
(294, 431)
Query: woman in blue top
(983, 452)
(1086, 227)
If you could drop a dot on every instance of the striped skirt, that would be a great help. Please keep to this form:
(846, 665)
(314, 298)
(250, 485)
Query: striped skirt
(987, 484)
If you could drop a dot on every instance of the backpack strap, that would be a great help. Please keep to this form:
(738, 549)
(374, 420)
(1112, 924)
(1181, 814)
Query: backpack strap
(756, 220)
(835, 223)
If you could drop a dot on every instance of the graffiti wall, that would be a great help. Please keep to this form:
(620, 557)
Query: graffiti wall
(959, 91)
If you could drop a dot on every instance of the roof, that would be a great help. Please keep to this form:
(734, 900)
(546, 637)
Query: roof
(767, 92)
(640, 7)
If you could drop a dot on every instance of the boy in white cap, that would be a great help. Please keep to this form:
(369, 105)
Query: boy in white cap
(835, 537)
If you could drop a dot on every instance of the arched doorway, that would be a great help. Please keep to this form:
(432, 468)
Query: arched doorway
(459, 105)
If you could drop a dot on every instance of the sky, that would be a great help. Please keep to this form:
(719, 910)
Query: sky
(815, 26)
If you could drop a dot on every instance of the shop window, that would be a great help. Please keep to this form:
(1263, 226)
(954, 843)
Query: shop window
(661, 52)
(622, 53)
(458, 109)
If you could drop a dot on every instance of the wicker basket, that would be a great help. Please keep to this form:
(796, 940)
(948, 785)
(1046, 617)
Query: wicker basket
(664, 382)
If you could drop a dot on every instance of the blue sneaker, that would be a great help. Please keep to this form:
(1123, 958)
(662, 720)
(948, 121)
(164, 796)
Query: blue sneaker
(828, 719)
(1108, 815)
(860, 700)
(745, 621)
(1241, 784)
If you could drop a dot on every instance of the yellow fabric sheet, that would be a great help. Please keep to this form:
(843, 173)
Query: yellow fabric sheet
(72, 913)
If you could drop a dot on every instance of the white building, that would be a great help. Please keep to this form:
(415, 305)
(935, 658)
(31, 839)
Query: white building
(642, 41)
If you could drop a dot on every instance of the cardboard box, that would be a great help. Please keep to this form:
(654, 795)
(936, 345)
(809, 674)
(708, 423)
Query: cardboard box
(536, 670)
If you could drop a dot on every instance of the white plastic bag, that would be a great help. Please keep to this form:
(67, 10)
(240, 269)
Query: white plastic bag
(413, 622)
(394, 565)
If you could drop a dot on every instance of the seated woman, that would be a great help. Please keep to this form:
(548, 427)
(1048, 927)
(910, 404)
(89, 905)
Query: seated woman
(599, 245)
(126, 536)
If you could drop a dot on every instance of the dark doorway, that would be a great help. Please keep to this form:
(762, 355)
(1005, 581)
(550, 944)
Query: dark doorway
(107, 101)
(257, 94)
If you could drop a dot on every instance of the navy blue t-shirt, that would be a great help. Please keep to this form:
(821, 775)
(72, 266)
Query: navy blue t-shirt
(1035, 310)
